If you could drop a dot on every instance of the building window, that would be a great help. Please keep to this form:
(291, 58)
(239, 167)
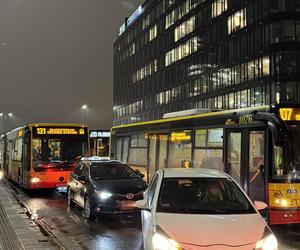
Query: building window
(132, 49)
(144, 72)
(185, 28)
(266, 66)
(180, 12)
(152, 32)
(237, 21)
(182, 50)
(146, 21)
(218, 7)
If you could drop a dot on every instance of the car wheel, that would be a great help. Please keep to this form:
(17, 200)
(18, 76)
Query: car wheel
(70, 198)
(88, 210)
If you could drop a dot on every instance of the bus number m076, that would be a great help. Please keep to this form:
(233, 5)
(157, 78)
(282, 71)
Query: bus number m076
(245, 119)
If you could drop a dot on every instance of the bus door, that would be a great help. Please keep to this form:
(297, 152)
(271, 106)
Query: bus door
(25, 163)
(244, 158)
(122, 149)
(157, 153)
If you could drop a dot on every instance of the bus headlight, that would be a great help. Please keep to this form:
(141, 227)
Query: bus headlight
(35, 180)
(269, 241)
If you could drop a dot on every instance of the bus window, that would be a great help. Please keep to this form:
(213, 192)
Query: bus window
(208, 158)
(209, 149)
(180, 149)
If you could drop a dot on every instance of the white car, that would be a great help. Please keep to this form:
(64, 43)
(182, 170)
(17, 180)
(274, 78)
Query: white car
(201, 209)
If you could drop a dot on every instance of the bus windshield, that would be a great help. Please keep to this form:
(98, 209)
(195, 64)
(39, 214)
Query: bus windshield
(57, 152)
(287, 158)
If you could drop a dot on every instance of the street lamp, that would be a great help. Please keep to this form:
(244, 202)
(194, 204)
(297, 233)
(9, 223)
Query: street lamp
(5, 116)
(86, 108)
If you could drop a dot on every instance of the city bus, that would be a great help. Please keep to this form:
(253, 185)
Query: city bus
(41, 156)
(258, 146)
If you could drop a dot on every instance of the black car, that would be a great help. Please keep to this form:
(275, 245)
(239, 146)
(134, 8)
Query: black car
(103, 186)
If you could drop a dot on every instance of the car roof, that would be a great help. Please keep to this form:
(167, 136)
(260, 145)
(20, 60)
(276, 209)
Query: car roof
(193, 172)
(97, 159)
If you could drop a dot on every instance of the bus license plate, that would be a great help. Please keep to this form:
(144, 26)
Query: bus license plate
(60, 184)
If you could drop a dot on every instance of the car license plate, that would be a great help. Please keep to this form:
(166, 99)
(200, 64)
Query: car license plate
(127, 205)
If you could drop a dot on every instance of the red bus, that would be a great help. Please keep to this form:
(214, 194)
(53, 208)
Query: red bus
(41, 155)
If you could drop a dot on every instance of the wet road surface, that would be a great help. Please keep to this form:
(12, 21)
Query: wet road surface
(70, 227)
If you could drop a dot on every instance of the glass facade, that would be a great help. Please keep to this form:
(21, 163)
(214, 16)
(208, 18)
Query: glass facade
(219, 54)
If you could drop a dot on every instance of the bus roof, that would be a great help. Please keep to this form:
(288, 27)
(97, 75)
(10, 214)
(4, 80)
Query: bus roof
(57, 124)
(258, 108)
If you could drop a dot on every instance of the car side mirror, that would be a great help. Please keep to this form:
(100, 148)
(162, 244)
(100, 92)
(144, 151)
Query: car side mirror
(83, 178)
(142, 204)
(259, 205)
(138, 172)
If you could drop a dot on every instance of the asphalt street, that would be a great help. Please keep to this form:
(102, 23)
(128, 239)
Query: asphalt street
(74, 232)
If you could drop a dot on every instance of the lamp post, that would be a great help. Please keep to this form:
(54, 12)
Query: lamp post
(86, 108)
(4, 117)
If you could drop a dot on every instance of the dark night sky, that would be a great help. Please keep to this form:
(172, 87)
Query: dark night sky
(56, 55)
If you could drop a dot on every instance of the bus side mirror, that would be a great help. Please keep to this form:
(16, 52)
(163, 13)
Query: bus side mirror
(262, 171)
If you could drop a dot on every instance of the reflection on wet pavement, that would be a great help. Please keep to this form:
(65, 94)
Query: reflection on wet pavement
(71, 227)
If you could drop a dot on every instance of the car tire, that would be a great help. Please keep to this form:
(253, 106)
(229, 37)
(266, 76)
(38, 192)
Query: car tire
(70, 198)
(88, 209)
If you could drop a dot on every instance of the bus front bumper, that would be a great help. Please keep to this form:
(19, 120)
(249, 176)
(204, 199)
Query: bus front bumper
(284, 216)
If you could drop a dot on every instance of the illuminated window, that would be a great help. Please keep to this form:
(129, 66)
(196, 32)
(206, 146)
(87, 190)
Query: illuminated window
(183, 50)
(185, 28)
(170, 19)
(218, 7)
(144, 72)
(152, 32)
(237, 21)
(266, 66)
(180, 12)
(132, 49)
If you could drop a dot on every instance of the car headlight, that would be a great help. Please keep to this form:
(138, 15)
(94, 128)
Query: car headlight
(268, 242)
(103, 195)
(161, 241)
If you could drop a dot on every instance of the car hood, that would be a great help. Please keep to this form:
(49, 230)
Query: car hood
(213, 231)
(121, 186)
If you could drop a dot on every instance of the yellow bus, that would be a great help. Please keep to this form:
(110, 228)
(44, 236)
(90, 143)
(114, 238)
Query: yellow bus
(258, 146)
(42, 155)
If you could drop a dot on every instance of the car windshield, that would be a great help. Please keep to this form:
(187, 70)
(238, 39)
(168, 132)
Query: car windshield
(202, 196)
(109, 171)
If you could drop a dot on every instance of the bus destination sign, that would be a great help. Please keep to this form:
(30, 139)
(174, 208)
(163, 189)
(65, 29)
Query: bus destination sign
(59, 131)
(290, 114)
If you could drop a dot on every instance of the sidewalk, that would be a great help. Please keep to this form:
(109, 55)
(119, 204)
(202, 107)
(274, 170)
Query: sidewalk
(17, 231)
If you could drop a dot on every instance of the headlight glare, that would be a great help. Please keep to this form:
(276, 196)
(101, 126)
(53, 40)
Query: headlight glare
(35, 180)
(161, 242)
(268, 243)
(103, 195)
